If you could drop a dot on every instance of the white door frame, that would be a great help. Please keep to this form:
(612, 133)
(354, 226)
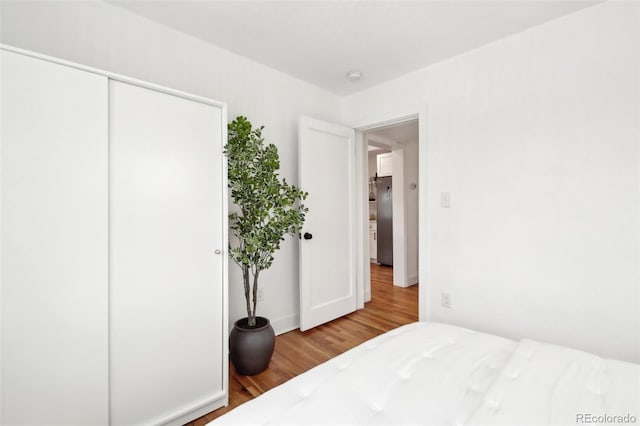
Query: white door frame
(363, 272)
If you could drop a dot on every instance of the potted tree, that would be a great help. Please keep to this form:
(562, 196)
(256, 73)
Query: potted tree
(267, 209)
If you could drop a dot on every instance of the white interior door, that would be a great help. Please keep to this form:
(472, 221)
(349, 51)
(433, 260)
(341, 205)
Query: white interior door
(166, 257)
(54, 244)
(327, 247)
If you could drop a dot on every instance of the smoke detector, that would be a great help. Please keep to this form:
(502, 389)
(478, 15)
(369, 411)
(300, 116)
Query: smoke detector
(354, 75)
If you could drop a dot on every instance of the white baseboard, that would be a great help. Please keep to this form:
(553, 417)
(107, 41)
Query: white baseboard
(285, 324)
(412, 280)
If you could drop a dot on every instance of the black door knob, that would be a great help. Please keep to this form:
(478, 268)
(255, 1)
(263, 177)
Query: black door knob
(307, 236)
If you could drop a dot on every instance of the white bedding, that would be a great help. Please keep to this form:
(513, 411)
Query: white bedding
(548, 384)
(437, 374)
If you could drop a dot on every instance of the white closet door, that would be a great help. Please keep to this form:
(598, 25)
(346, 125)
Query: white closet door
(166, 180)
(54, 244)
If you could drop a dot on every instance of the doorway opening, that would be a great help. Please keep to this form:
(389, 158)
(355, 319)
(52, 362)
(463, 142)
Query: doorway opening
(392, 170)
(339, 213)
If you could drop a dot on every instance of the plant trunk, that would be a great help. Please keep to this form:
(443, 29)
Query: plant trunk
(252, 318)
(247, 291)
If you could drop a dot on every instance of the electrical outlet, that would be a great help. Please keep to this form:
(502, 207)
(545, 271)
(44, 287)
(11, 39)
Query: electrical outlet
(445, 300)
(260, 294)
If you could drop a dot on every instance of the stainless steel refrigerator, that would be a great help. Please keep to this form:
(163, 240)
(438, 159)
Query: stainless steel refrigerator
(384, 220)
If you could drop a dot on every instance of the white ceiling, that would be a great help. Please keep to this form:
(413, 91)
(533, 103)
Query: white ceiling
(320, 41)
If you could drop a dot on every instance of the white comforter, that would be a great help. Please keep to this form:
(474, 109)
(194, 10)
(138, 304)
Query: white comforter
(436, 374)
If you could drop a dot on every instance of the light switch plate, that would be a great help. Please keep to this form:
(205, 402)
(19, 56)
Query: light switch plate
(445, 200)
(445, 300)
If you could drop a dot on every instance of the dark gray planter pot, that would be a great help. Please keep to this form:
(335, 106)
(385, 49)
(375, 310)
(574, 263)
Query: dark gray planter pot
(251, 348)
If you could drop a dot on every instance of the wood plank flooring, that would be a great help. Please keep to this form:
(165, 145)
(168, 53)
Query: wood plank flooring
(297, 352)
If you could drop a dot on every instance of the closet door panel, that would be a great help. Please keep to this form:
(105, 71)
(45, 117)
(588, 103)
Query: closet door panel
(166, 279)
(54, 264)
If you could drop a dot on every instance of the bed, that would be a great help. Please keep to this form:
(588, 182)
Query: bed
(436, 374)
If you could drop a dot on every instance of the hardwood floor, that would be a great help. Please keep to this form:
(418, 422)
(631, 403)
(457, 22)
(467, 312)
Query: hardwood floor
(297, 352)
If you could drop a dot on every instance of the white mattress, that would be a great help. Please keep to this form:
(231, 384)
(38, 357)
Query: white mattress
(436, 374)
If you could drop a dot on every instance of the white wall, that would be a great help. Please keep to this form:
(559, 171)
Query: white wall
(536, 137)
(411, 172)
(373, 169)
(106, 37)
(373, 161)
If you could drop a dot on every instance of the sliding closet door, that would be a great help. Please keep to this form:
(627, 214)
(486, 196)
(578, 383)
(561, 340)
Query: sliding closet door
(166, 216)
(54, 244)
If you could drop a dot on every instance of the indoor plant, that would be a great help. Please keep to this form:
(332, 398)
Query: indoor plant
(267, 209)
